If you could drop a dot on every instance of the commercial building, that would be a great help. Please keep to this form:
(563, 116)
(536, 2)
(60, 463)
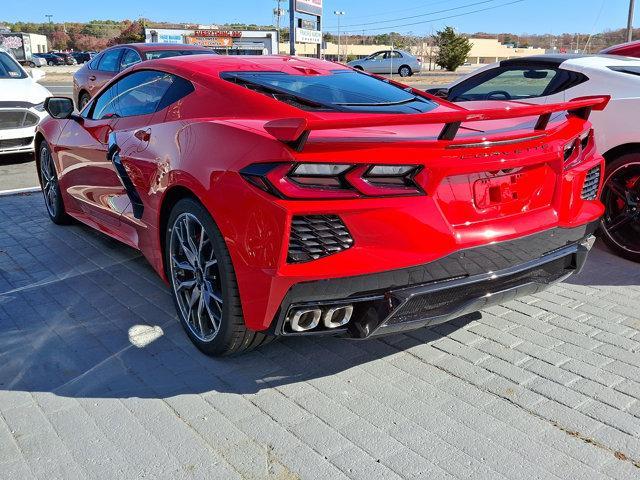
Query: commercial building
(225, 42)
(483, 50)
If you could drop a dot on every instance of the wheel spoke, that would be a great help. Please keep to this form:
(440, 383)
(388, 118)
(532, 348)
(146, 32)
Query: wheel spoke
(185, 285)
(618, 189)
(215, 319)
(619, 222)
(199, 312)
(182, 265)
(210, 264)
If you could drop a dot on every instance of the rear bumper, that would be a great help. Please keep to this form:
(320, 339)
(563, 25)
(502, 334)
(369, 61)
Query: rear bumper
(461, 283)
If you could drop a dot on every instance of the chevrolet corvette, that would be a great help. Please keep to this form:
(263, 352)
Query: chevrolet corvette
(283, 196)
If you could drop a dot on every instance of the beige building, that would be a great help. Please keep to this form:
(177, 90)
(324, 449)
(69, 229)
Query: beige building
(483, 50)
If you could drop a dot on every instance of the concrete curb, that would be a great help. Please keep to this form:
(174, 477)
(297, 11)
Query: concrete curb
(18, 191)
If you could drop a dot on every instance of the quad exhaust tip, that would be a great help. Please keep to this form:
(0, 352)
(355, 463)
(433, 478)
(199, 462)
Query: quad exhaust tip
(306, 319)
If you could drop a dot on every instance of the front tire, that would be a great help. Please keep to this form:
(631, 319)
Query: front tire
(203, 283)
(50, 186)
(83, 100)
(405, 71)
(620, 224)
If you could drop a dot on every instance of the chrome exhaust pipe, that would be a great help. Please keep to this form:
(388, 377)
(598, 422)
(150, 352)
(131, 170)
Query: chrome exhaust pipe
(338, 316)
(305, 319)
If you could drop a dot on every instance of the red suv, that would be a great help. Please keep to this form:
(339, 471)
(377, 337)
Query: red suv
(106, 65)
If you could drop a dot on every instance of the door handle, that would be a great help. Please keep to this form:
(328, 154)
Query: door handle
(143, 135)
(92, 77)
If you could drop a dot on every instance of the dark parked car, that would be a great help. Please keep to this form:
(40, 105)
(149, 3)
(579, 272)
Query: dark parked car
(52, 59)
(106, 65)
(67, 57)
(82, 57)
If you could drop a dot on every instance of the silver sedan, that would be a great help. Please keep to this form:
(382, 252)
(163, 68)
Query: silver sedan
(389, 61)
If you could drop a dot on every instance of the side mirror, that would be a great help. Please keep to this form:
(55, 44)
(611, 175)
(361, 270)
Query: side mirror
(59, 107)
(37, 75)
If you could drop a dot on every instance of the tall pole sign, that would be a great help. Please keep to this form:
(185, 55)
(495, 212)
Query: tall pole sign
(308, 31)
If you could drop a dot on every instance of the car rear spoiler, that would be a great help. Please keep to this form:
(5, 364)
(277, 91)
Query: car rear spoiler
(295, 131)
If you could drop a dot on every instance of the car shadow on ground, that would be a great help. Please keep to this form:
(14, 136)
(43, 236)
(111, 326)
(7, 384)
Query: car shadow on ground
(604, 268)
(83, 316)
(16, 158)
(101, 324)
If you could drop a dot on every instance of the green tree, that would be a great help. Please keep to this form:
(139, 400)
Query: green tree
(453, 49)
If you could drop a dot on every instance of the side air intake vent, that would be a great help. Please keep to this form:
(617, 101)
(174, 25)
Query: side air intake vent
(316, 236)
(591, 182)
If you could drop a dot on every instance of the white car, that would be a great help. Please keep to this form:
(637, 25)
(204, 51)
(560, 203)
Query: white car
(21, 105)
(556, 78)
(390, 62)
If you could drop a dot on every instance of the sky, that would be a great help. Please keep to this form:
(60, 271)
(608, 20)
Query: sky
(368, 16)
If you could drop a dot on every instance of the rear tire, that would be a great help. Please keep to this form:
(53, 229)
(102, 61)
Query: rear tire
(620, 225)
(50, 186)
(203, 283)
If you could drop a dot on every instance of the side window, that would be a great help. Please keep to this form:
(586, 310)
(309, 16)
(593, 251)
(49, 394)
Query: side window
(378, 56)
(137, 94)
(109, 60)
(395, 54)
(129, 58)
(93, 64)
(506, 84)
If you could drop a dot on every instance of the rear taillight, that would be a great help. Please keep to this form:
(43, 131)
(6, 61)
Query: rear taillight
(574, 150)
(333, 181)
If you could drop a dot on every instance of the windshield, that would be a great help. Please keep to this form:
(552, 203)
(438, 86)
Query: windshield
(173, 53)
(340, 91)
(9, 68)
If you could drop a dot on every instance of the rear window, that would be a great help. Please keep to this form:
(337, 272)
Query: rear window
(173, 53)
(9, 68)
(339, 91)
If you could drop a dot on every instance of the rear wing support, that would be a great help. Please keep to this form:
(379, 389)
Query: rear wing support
(295, 131)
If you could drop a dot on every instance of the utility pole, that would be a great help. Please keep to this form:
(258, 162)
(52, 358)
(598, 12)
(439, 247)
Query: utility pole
(630, 21)
(338, 13)
(50, 22)
(292, 27)
(278, 12)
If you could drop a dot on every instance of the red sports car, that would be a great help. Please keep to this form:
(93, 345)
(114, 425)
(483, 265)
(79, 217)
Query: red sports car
(284, 196)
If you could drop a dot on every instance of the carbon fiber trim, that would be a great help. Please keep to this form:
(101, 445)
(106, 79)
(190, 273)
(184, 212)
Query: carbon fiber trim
(464, 263)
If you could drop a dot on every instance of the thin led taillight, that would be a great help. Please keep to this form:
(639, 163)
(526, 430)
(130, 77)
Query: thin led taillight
(307, 181)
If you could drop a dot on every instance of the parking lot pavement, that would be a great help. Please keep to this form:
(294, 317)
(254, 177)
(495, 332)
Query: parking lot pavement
(98, 380)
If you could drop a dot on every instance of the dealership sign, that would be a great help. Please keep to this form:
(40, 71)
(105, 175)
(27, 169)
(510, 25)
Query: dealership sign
(308, 36)
(312, 7)
(217, 33)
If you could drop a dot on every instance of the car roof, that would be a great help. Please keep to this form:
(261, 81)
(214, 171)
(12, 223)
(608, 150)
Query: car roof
(215, 64)
(576, 60)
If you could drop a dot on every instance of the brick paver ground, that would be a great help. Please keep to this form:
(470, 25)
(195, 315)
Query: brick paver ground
(98, 380)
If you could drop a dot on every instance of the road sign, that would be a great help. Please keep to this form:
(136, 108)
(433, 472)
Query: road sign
(312, 7)
(308, 36)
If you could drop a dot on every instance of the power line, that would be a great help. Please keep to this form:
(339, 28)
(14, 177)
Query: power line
(429, 4)
(431, 20)
(420, 15)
